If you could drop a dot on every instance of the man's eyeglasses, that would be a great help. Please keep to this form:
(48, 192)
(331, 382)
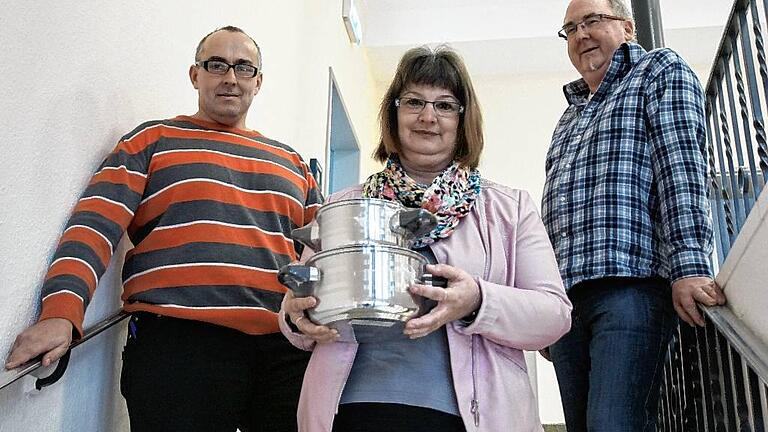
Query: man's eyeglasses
(588, 22)
(218, 67)
(443, 108)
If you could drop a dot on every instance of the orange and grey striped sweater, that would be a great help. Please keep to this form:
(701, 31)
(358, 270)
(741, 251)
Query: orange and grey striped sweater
(209, 211)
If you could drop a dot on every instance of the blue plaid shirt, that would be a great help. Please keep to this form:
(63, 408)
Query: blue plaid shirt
(626, 192)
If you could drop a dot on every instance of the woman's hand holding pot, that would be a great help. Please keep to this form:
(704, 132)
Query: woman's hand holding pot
(295, 307)
(459, 299)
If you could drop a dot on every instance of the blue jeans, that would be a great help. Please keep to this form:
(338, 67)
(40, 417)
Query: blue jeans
(610, 363)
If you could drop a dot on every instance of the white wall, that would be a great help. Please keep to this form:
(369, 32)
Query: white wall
(77, 76)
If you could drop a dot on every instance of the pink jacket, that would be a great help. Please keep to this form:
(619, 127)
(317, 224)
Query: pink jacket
(503, 244)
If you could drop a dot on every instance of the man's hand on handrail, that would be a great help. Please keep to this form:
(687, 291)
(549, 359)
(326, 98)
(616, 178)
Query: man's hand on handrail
(50, 337)
(690, 291)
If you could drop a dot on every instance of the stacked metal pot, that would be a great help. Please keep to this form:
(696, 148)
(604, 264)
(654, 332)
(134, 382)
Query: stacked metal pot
(363, 267)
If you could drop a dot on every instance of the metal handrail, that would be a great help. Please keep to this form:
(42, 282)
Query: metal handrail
(16, 374)
(751, 348)
(716, 378)
(722, 47)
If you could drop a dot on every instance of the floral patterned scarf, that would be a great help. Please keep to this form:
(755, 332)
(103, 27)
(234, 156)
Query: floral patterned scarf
(450, 196)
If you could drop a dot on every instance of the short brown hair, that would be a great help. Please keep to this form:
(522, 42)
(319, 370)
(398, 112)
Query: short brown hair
(231, 29)
(439, 67)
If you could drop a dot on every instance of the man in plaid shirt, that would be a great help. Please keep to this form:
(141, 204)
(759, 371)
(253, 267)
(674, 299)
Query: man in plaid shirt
(625, 205)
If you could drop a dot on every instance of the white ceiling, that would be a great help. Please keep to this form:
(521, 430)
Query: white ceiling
(510, 37)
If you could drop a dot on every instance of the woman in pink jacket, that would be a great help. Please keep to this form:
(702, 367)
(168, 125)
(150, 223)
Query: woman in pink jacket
(461, 368)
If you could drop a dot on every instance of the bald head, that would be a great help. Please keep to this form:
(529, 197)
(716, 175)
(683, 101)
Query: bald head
(232, 29)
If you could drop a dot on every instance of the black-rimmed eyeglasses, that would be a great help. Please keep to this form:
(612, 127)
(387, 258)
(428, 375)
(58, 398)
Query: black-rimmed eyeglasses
(588, 22)
(443, 108)
(219, 67)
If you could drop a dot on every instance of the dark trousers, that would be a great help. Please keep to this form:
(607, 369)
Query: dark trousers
(610, 363)
(388, 417)
(183, 375)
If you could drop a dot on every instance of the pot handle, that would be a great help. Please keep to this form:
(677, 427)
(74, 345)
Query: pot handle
(308, 235)
(299, 278)
(435, 281)
(417, 222)
(426, 304)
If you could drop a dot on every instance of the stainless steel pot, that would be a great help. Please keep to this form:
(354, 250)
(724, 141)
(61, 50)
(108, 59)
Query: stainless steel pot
(360, 287)
(364, 220)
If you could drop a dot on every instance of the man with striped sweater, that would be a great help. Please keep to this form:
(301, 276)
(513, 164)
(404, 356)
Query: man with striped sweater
(208, 206)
